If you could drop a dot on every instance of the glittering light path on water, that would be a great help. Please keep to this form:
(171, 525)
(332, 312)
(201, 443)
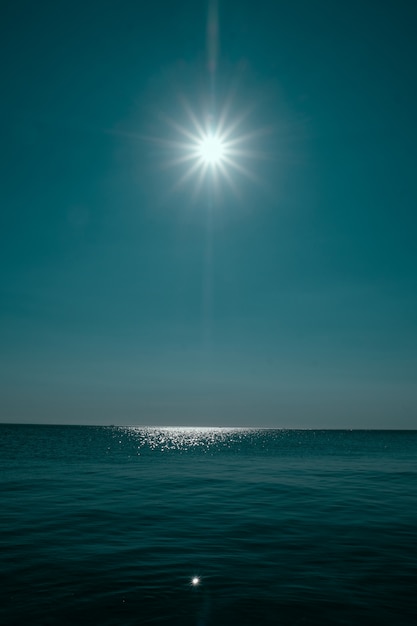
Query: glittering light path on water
(183, 437)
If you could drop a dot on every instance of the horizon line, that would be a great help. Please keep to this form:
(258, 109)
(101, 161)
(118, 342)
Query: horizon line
(203, 427)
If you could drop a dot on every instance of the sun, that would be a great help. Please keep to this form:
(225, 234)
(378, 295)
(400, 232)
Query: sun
(207, 148)
(211, 149)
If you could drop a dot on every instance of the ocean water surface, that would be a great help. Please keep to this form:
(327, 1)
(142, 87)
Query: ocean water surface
(113, 525)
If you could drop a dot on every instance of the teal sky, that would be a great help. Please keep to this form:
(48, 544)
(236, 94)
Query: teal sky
(289, 300)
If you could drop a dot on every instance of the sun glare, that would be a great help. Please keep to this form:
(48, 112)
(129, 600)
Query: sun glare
(214, 148)
(211, 149)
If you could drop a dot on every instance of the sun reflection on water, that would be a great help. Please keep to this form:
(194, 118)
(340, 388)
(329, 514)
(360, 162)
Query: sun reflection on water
(183, 437)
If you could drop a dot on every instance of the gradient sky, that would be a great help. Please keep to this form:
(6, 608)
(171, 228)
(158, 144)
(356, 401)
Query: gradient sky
(290, 301)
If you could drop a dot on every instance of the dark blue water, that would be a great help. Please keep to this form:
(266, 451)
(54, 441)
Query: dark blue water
(106, 526)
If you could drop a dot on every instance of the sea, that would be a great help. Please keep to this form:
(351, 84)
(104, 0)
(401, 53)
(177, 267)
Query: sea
(110, 525)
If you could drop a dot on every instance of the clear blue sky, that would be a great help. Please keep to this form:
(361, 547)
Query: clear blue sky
(112, 308)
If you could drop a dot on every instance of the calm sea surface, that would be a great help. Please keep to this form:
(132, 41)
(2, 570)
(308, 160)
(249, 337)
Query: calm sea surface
(108, 525)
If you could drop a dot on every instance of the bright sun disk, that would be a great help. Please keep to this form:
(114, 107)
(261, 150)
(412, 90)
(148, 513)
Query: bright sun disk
(211, 149)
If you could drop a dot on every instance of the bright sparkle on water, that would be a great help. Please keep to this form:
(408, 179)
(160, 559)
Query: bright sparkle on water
(165, 438)
(195, 581)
